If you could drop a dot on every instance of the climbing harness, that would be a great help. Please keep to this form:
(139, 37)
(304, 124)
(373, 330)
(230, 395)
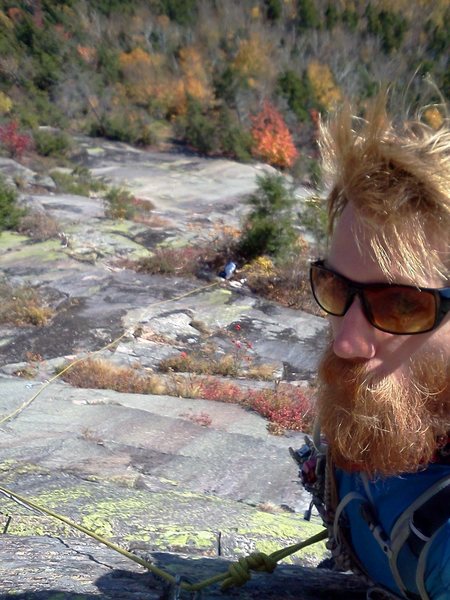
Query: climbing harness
(311, 459)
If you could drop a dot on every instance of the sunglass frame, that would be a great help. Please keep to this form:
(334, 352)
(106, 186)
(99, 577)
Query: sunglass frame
(441, 297)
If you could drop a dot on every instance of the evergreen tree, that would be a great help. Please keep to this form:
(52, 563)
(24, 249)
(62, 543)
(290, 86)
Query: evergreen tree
(269, 227)
(331, 15)
(307, 15)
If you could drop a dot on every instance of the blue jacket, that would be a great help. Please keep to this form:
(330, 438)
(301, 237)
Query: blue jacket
(391, 497)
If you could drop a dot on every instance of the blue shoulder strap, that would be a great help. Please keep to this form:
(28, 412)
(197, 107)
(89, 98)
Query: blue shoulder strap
(416, 529)
(414, 532)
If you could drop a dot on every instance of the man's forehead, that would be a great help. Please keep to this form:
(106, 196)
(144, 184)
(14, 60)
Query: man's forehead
(404, 253)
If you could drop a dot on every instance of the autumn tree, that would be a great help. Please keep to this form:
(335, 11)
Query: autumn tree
(433, 117)
(253, 62)
(272, 139)
(149, 82)
(323, 84)
(5, 104)
(196, 79)
(140, 72)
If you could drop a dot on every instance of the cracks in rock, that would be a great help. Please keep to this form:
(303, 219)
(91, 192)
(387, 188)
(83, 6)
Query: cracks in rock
(219, 543)
(80, 552)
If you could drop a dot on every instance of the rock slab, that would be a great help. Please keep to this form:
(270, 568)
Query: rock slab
(52, 569)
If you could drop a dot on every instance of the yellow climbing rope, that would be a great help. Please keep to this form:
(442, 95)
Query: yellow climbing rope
(237, 574)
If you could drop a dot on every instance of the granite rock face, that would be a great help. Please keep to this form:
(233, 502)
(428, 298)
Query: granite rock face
(50, 568)
(143, 470)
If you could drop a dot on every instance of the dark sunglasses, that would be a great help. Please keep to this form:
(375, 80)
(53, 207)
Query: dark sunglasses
(390, 307)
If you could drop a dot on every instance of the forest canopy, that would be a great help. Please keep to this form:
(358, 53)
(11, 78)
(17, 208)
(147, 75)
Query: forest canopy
(201, 72)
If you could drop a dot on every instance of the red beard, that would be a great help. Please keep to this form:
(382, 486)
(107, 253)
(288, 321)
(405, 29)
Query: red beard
(383, 425)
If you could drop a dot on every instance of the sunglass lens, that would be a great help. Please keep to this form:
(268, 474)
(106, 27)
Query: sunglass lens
(399, 309)
(329, 290)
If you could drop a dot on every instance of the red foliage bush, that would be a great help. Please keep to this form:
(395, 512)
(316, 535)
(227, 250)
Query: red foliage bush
(272, 139)
(213, 389)
(287, 407)
(15, 142)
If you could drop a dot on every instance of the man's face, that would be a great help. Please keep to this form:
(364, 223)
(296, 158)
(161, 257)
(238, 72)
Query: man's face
(383, 398)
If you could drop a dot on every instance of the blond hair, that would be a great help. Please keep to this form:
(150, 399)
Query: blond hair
(398, 181)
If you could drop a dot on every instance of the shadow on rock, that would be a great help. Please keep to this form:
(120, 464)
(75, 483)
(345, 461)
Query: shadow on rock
(288, 582)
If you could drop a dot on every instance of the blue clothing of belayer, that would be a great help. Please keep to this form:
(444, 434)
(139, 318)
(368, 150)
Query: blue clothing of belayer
(371, 511)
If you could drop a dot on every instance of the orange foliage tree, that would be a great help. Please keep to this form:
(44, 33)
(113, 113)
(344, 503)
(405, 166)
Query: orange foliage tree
(87, 53)
(150, 82)
(140, 70)
(272, 140)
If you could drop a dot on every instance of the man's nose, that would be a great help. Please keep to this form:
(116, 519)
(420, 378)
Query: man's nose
(354, 336)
